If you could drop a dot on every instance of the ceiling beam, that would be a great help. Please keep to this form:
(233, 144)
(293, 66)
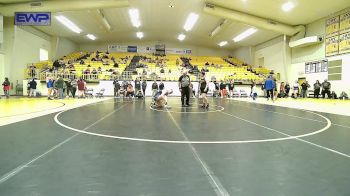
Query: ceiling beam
(60, 6)
(252, 20)
(101, 18)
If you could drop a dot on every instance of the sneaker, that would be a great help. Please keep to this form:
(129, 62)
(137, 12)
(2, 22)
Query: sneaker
(207, 106)
(187, 105)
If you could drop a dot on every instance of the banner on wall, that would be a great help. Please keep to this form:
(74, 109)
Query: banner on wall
(332, 26)
(332, 46)
(117, 48)
(132, 48)
(344, 23)
(344, 43)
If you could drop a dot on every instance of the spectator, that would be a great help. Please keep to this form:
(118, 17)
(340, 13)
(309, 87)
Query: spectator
(116, 87)
(144, 86)
(32, 87)
(295, 89)
(74, 84)
(269, 86)
(326, 89)
(49, 85)
(282, 92)
(69, 87)
(343, 95)
(137, 85)
(254, 92)
(222, 89)
(154, 88)
(6, 87)
(334, 95)
(81, 88)
(304, 86)
(161, 85)
(231, 86)
(287, 88)
(130, 91)
(317, 87)
(59, 84)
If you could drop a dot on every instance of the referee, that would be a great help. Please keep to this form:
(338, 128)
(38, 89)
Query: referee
(184, 86)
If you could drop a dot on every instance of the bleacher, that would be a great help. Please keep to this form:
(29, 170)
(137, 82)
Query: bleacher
(166, 68)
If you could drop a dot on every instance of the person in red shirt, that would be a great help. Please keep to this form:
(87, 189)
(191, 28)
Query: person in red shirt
(81, 88)
(6, 85)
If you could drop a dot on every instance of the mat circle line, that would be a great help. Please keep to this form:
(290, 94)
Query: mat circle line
(193, 141)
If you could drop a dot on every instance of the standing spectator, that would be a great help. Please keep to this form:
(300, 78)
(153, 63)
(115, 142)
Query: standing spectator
(6, 85)
(231, 86)
(59, 84)
(326, 89)
(116, 85)
(269, 86)
(161, 85)
(287, 87)
(154, 88)
(144, 86)
(137, 85)
(304, 86)
(32, 87)
(49, 85)
(74, 84)
(222, 89)
(81, 88)
(217, 89)
(28, 87)
(295, 89)
(184, 86)
(317, 88)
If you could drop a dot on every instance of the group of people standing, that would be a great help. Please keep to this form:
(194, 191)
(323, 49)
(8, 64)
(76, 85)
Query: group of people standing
(59, 88)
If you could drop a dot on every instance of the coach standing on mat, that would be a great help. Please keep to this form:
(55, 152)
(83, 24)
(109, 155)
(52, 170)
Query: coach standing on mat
(184, 86)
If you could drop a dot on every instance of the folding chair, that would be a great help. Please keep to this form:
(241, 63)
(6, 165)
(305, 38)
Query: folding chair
(100, 94)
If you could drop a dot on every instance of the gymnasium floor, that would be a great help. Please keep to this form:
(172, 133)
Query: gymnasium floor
(116, 147)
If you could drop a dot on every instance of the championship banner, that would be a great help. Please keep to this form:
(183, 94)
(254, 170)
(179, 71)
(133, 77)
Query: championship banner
(344, 23)
(332, 27)
(344, 43)
(332, 46)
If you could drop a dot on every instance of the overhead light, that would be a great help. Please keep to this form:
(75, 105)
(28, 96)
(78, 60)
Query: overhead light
(135, 17)
(288, 6)
(245, 34)
(69, 24)
(139, 35)
(190, 21)
(223, 43)
(90, 36)
(181, 37)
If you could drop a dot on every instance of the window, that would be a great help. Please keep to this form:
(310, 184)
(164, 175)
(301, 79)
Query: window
(44, 55)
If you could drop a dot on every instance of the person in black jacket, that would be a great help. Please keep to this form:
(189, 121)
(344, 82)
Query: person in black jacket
(144, 86)
(154, 88)
(317, 88)
(326, 89)
(32, 86)
(161, 85)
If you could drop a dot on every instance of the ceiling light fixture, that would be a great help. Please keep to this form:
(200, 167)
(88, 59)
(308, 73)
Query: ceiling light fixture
(90, 36)
(181, 37)
(190, 21)
(245, 34)
(288, 6)
(69, 24)
(135, 17)
(223, 43)
(139, 35)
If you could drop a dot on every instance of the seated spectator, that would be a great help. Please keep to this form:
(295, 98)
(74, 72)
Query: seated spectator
(287, 89)
(82, 62)
(334, 95)
(130, 91)
(116, 65)
(99, 69)
(207, 63)
(343, 95)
